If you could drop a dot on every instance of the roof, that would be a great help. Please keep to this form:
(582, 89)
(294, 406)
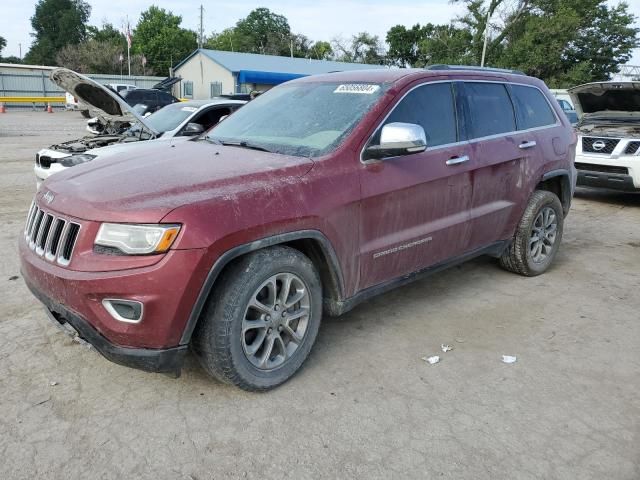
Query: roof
(236, 62)
(22, 65)
(392, 75)
(210, 101)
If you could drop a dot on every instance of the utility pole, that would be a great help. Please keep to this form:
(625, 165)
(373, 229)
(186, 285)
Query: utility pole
(20, 50)
(201, 37)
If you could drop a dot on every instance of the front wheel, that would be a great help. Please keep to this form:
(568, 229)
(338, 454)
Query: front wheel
(537, 238)
(260, 324)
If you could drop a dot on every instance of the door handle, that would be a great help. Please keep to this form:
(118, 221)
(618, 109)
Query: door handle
(458, 160)
(525, 145)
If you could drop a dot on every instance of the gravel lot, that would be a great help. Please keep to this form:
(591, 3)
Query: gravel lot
(365, 405)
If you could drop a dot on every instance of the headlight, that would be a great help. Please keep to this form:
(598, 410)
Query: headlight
(137, 239)
(74, 160)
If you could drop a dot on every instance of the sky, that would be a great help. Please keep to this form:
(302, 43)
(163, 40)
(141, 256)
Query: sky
(319, 19)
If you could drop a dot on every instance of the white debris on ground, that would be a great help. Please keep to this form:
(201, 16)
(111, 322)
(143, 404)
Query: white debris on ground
(431, 360)
(508, 359)
(53, 384)
(446, 348)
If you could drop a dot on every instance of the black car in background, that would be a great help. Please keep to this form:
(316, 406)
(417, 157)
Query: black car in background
(151, 98)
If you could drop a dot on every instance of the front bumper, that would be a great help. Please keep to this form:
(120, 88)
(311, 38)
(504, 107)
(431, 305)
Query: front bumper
(167, 288)
(612, 181)
(147, 359)
(615, 172)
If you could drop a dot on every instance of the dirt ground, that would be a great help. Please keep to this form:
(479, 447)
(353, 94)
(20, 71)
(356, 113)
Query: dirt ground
(365, 405)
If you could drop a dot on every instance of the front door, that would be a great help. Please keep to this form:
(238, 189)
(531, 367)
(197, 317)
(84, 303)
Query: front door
(414, 208)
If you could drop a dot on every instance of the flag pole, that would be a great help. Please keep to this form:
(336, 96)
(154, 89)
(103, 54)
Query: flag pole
(128, 45)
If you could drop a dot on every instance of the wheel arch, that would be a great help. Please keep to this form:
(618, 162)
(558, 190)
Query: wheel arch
(558, 182)
(313, 243)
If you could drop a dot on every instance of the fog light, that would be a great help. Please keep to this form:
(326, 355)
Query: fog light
(128, 311)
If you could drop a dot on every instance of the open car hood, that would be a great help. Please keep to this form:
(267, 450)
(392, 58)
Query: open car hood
(108, 103)
(607, 100)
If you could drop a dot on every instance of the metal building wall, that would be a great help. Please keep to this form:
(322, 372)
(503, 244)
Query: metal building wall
(37, 84)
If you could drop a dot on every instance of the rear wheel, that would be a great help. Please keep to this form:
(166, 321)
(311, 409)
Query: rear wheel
(537, 238)
(259, 326)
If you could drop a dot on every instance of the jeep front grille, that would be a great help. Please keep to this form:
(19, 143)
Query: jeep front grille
(599, 145)
(51, 236)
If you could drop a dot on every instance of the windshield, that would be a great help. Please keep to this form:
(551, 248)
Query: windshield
(170, 116)
(305, 119)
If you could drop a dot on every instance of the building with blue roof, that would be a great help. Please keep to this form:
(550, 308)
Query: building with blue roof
(209, 73)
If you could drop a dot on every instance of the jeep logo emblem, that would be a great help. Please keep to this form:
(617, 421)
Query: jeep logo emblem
(48, 197)
(598, 145)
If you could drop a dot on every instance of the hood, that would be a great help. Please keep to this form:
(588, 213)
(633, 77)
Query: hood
(129, 148)
(607, 99)
(108, 103)
(146, 183)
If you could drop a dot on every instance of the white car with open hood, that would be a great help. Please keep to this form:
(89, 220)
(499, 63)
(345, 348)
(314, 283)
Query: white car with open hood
(177, 122)
(608, 150)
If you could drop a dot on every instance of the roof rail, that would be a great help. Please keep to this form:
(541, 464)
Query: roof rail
(474, 68)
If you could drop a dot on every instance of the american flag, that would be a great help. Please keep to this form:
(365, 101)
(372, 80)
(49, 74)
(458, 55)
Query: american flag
(128, 35)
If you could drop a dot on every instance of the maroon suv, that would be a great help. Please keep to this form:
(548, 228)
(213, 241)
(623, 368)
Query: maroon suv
(317, 195)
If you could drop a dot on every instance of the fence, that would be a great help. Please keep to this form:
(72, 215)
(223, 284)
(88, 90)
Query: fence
(37, 84)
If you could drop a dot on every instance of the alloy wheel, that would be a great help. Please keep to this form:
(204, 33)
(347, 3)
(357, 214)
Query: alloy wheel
(276, 321)
(543, 235)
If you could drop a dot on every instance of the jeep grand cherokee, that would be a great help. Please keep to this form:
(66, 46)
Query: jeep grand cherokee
(317, 195)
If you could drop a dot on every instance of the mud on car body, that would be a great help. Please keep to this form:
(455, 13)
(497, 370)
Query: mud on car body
(314, 197)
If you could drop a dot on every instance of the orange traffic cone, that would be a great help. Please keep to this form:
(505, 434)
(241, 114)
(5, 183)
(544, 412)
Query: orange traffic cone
(49, 109)
(2, 109)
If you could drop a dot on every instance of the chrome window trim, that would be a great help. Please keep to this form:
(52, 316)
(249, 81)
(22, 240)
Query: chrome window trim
(473, 140)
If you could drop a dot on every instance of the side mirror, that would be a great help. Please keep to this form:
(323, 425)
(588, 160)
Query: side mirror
(192, 129)
(397, 139)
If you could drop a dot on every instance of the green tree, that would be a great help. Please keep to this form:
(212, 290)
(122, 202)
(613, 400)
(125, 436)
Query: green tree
(429, 44)
(362, 48)
(263, 31)
(321, 51)
(107, 33)
(56, 23)
(95, 56)
(564, 42)
(159, 37)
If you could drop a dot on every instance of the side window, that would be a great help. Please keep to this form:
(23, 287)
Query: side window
(533, 108)
(165, 98)
(188, 88)
(490, 109)
(430, 106)
(211, 117)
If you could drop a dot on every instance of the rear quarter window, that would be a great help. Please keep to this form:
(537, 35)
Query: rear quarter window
(490, 111)
(532, 107)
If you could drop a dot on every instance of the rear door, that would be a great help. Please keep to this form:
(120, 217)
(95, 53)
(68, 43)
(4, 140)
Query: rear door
(414, 207)
(500, 157)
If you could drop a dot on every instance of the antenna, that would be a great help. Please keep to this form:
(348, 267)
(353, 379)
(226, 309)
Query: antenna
(201, 36)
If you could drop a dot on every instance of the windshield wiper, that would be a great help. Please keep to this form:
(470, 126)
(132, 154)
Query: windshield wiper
(241, 144)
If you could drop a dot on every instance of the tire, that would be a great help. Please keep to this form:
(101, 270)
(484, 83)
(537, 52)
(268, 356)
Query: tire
(521, 256)
(85, 113)
(230, 329)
